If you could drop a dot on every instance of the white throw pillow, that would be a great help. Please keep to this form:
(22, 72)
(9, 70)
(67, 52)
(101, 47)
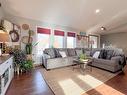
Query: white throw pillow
(96, 54)
(62, 53)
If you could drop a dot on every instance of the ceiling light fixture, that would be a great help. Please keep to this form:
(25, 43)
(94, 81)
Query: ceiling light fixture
(97, 11)
(103, 28)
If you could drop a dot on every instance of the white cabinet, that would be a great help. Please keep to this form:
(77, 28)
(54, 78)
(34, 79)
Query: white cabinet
(6, 74)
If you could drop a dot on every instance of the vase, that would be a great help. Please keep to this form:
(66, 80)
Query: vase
(18, 69)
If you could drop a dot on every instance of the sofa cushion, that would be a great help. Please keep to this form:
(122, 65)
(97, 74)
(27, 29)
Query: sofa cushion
(50, 52)
(118, 52)
(94, 50)
(71, 52)
(79, 52)
(85, 50)
(105, 62)
(88, 53)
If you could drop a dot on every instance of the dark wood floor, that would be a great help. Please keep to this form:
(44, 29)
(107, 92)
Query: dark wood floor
(29, 84)
(115, 86)
(34, 84)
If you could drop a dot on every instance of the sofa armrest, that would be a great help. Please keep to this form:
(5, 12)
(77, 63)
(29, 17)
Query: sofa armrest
(117, 59)
(46, 56)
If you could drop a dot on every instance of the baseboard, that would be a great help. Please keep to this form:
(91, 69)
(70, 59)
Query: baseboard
(37, 65)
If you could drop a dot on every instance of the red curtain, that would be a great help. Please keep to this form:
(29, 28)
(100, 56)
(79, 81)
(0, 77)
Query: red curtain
(71, 34)
(43, 30)
(58, 33)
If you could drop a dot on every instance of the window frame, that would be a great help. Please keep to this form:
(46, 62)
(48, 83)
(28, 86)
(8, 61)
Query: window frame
(72, 34)
(58, 32)
(97, 40)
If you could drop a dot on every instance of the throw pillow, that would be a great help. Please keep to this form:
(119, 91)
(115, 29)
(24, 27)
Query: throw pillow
(109, 54)
(71, 52)
(96, 54)
(79, 52)
(47, 56)
(57, 54)
(104, 54)
(50, 52)
(88, 53)
(101, 54)
(63, 54)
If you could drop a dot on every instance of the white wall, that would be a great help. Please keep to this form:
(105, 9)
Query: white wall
(33, 24)
(1, 13)
(117, 40)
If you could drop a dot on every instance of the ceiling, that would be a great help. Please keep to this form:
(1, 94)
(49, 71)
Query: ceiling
(79, 14)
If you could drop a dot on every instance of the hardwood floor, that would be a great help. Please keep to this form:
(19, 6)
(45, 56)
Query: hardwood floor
(34, 84)
(29, 84)
(115, 86)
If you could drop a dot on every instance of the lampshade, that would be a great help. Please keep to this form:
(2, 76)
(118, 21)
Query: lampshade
(4, 37)
(2, 28)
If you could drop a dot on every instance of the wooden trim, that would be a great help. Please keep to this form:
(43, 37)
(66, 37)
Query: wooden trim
(37, 65)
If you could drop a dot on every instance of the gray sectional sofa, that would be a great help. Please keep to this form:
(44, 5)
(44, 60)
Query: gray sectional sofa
(113, 61)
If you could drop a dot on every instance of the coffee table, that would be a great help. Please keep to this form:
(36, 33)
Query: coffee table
(82, 64)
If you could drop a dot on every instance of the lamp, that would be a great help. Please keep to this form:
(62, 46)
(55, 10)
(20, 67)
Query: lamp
(4, 37)
(2, 28)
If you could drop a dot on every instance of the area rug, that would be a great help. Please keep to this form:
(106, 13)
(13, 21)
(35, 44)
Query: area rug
(66, 81)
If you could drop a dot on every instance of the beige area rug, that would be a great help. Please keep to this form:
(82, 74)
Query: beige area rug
(65, 81)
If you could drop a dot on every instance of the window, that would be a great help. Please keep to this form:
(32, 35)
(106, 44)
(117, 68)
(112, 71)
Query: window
(71, 40)
(93, 40)
(58, 39)
(43, 38)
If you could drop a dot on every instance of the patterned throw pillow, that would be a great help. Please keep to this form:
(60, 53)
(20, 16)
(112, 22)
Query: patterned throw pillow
(50, 52)
(103, 54)
(71, 52)
(57, 53)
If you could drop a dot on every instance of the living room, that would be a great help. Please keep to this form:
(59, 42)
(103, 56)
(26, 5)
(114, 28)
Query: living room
(63, 47)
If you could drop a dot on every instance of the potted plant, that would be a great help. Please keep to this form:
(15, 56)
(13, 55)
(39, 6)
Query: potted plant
(82, 57)
(19, 59)
(27, 66)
